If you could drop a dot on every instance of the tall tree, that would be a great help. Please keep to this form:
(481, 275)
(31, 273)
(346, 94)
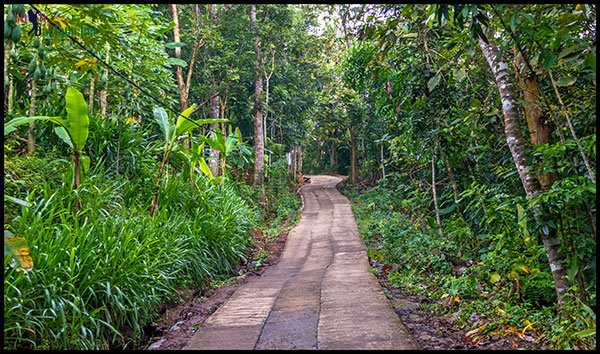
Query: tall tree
(514, 139)
(184, 85)
(259, 142)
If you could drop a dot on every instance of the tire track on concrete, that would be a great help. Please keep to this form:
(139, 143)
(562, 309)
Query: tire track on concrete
(320, 295)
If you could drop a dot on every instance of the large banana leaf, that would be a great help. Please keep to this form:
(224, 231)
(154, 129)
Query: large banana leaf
(13, 124)
(73, 130)
(162, 118)
(184, 124)
(205, 169)
(78, 121)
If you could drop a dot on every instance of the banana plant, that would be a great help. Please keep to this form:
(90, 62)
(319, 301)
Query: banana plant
(173, 131)
(73, 130)
(224, 144)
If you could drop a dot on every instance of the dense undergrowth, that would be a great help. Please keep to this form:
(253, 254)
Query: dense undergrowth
(488, 282)
(100, 273)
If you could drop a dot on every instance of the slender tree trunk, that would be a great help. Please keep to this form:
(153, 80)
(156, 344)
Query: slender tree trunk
(438, 218)
(293, 162)
(104, 92)
(7, 49)
(32, 101)
(259, 143)
(332, 155)
(514, 139)
(451, 175)
(178, 68)
(539, 126)
(585, 160)
(299, 163)
(92, 92)
(353, 169)
(213, 162)
(10, 95)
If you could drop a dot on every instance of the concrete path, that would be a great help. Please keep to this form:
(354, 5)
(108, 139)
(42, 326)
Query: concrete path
(320, 295)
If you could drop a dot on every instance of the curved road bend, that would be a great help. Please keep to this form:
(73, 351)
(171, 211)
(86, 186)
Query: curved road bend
(320, 295)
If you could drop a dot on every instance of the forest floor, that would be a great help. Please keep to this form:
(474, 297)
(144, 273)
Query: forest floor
(436, 332)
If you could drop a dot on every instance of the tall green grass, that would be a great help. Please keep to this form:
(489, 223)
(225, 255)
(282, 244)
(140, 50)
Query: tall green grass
(99, 274)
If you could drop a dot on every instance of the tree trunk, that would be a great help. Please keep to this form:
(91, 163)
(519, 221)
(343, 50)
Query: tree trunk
(332, 155)
(514, 139)
(104, 92)
(259, 143)
(451, 175)
(540, 128)
(10, 95)
(585, 160)
(299, 159)
(213, 162)
(30, 140)
(353, 169)
(7, 49)
(91, 98)
(178, 68)
(438, 218)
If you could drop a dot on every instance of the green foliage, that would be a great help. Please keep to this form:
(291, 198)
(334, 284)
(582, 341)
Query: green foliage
(500, 275)
(105, 269)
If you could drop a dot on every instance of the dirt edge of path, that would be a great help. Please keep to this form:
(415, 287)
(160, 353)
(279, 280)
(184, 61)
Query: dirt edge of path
(179, 320)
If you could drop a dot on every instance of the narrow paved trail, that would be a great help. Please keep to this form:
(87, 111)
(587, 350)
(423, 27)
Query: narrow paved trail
(320, 295)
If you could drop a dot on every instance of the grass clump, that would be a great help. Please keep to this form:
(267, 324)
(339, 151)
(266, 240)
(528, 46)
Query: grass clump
(100, 273)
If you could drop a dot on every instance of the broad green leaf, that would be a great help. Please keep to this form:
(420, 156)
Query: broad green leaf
(174, 45)
(459, 73)
(85, 163)
(13, 124)
(175, 61)
(494, 277)
(169, 26)
(590, 61)
(204, 168)
(162, 118)
(77, 120)
(475, 103)
(448, 210)
(238, 134)
(566, 81)
(183, 122)
(548, 59)
(434, 81)
(62, 133)
(229, 145)
(573, 269)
